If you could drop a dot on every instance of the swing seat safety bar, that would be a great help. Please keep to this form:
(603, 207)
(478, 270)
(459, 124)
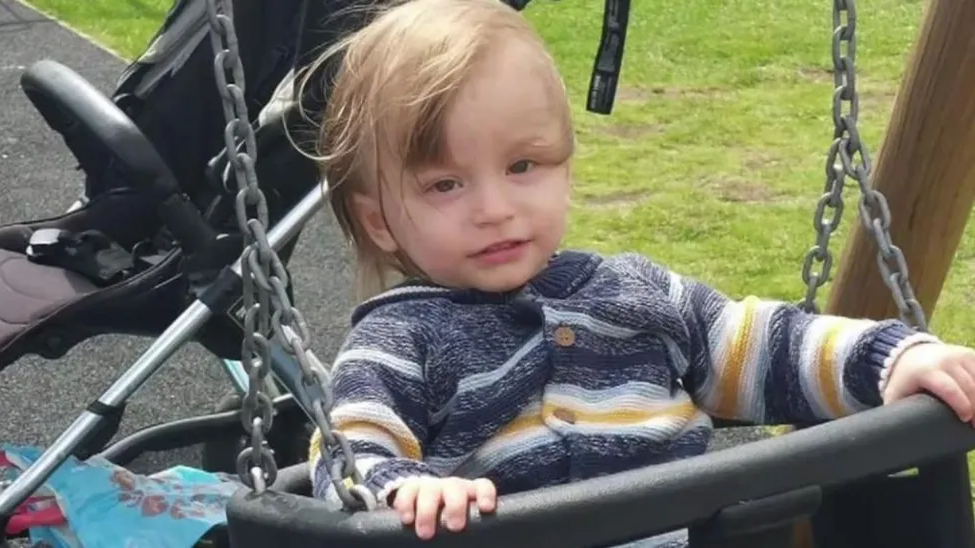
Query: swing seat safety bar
(713, 490)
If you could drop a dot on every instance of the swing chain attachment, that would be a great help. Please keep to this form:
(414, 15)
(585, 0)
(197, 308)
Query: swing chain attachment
(265, 281)
(841, 162)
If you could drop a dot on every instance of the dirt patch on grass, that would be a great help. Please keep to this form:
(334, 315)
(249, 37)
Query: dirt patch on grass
(687, 93)
(869, 98)
(632, 131)
(622, 198)
(754, 160)
(816, 74)
(877, 100)
(741, 190)
(632, 94)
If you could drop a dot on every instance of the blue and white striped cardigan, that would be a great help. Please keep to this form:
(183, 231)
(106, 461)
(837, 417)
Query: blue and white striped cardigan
(596, 366)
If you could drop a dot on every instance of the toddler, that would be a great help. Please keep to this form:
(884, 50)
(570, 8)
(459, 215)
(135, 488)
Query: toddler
(485, 360)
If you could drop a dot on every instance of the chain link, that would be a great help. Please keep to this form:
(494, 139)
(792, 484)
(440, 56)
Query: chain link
(268, 311)
(848, 157)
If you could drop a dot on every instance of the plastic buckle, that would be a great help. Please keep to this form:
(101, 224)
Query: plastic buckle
(44, 241)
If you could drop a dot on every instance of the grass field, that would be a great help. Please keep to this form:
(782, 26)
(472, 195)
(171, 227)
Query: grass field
(713, 159)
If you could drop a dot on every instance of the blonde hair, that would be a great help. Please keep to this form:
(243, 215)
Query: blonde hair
(397, 78)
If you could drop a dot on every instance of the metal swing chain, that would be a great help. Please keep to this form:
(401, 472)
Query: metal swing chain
(265, 280)
(841, 162)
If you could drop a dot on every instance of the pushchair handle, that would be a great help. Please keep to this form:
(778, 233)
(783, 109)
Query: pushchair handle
(73, 106)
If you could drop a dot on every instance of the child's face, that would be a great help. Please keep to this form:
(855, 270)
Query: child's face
(492, 216)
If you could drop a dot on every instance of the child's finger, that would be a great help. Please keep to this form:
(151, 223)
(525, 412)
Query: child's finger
(428, 501)
(963, 375)
(455, 504)
(943, 386)
(485, 494)
(405, 501)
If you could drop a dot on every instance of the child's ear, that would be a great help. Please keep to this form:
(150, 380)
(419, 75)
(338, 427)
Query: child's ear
(370, 214)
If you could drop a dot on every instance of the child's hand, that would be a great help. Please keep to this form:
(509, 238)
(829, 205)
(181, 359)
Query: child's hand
(418, 500)
(946, 371)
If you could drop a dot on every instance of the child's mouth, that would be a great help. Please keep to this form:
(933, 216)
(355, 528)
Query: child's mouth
(501, 252)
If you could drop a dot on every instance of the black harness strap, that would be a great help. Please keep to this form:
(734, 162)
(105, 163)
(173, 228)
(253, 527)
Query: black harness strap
(609, 58)
(89, 253)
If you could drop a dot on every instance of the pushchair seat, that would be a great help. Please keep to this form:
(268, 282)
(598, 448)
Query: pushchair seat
(81, 278)
(128, 259)
(112, 264)
(31, 292)
(65, 289)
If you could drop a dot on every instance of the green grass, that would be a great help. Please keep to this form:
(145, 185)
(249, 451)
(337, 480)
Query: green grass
(712, 161)
(123, 26)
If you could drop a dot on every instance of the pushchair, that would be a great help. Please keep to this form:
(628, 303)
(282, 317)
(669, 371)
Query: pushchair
(153, 248)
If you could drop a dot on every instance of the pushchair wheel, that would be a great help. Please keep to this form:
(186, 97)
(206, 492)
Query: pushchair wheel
(289, 438)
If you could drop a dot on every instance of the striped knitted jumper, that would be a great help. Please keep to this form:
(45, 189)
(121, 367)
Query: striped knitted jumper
(595, 366)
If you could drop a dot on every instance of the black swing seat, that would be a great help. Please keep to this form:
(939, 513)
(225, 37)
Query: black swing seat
(842, 473)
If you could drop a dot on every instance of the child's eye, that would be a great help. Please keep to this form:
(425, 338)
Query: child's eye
(445, 185)
(521, 166)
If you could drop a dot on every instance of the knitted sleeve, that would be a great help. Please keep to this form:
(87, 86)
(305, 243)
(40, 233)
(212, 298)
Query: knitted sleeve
(380, 404)
(766, 361)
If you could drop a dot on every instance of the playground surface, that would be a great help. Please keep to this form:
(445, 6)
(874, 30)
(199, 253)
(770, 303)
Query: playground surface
(39, 398)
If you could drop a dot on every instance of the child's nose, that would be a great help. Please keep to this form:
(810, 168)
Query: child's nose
(494, 204)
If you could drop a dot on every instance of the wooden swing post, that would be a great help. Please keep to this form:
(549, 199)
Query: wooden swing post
(925, 168)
